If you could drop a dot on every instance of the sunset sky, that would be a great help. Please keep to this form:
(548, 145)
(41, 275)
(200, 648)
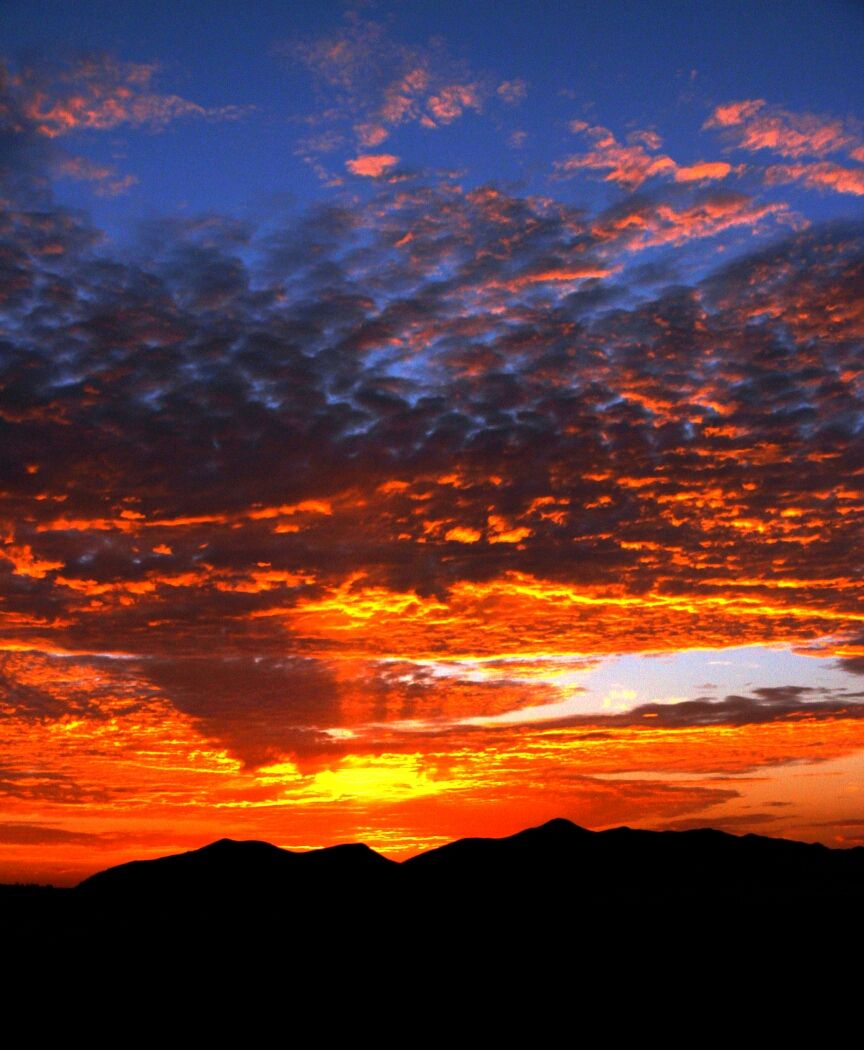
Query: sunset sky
(425, 419)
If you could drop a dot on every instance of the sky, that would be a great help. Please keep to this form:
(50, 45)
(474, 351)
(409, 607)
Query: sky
(421, 420)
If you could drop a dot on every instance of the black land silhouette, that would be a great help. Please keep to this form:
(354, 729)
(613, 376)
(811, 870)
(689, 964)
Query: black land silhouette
(545, 883)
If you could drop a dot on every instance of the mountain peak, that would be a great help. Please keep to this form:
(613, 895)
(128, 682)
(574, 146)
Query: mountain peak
(560, 825)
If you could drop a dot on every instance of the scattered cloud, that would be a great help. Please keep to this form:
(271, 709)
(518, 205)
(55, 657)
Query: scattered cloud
(634, 163)
(753, 124)
(373, 84)
(823, 175)
(512, 91)
(99, 93)
(106, 180)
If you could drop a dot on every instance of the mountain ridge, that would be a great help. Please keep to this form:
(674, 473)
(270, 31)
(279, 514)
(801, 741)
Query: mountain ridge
(527, 889)
(560, 824)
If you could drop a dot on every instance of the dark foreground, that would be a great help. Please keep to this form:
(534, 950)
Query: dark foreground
(556, 886)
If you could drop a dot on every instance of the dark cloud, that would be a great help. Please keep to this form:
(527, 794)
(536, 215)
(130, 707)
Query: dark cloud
(733, 822)
(261, 708)
(20, 834)
(778, 705)
(769, 704)
(854, 664)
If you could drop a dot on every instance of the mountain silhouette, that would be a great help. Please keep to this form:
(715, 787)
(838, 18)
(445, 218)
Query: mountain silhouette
(231, 867)
(554, 881)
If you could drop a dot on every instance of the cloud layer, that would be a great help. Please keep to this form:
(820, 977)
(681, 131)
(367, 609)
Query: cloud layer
(308, 510)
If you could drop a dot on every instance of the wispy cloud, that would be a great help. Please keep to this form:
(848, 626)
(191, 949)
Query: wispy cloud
(100, 93)
(753, 125)
(630, 165)
(373, 84)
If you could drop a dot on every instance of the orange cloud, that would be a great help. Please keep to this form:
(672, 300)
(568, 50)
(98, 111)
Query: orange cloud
(705, 170)
(642, 226)
(566, 275)
(820, 176)
(732, 113)
(372, 164)
(106, 180)
(103, 93)
(371, 135)
(380, 84)
(512, 91)
(26, 563)
(753, 125)
(628, 166)
(631, 165)
(451, 102)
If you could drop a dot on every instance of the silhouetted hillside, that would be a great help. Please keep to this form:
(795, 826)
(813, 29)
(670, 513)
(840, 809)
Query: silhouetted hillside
(644, 864)
(227, 867)
(553, 881)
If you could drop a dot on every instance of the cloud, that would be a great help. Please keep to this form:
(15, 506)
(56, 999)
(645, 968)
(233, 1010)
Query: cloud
(451, 102)
(769, 704)
(46, 107)
(20, 833)
(753, 124)
(750, 125)
(820, 176)
(106, 180)
(432, 423)
(635, 163)
(733, 823)
(637, 224)
(512, 91)
(703, 171)
(373, 84)
(372, 164)
(99, 93)
(852, 659)
(627, 165)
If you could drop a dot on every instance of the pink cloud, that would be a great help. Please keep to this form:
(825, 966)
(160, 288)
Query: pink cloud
(821, 176)
(106, 181)
(563, 275)
(371, 135)
(646, 137)
(452, 101)
(753, 125)
(381, 83)
(703, 170)
(512, 91)
(101, 94)
(371, 165)
(648, 226)
(401, 98)
(628, 166)
(633, 164)
(734, 113)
